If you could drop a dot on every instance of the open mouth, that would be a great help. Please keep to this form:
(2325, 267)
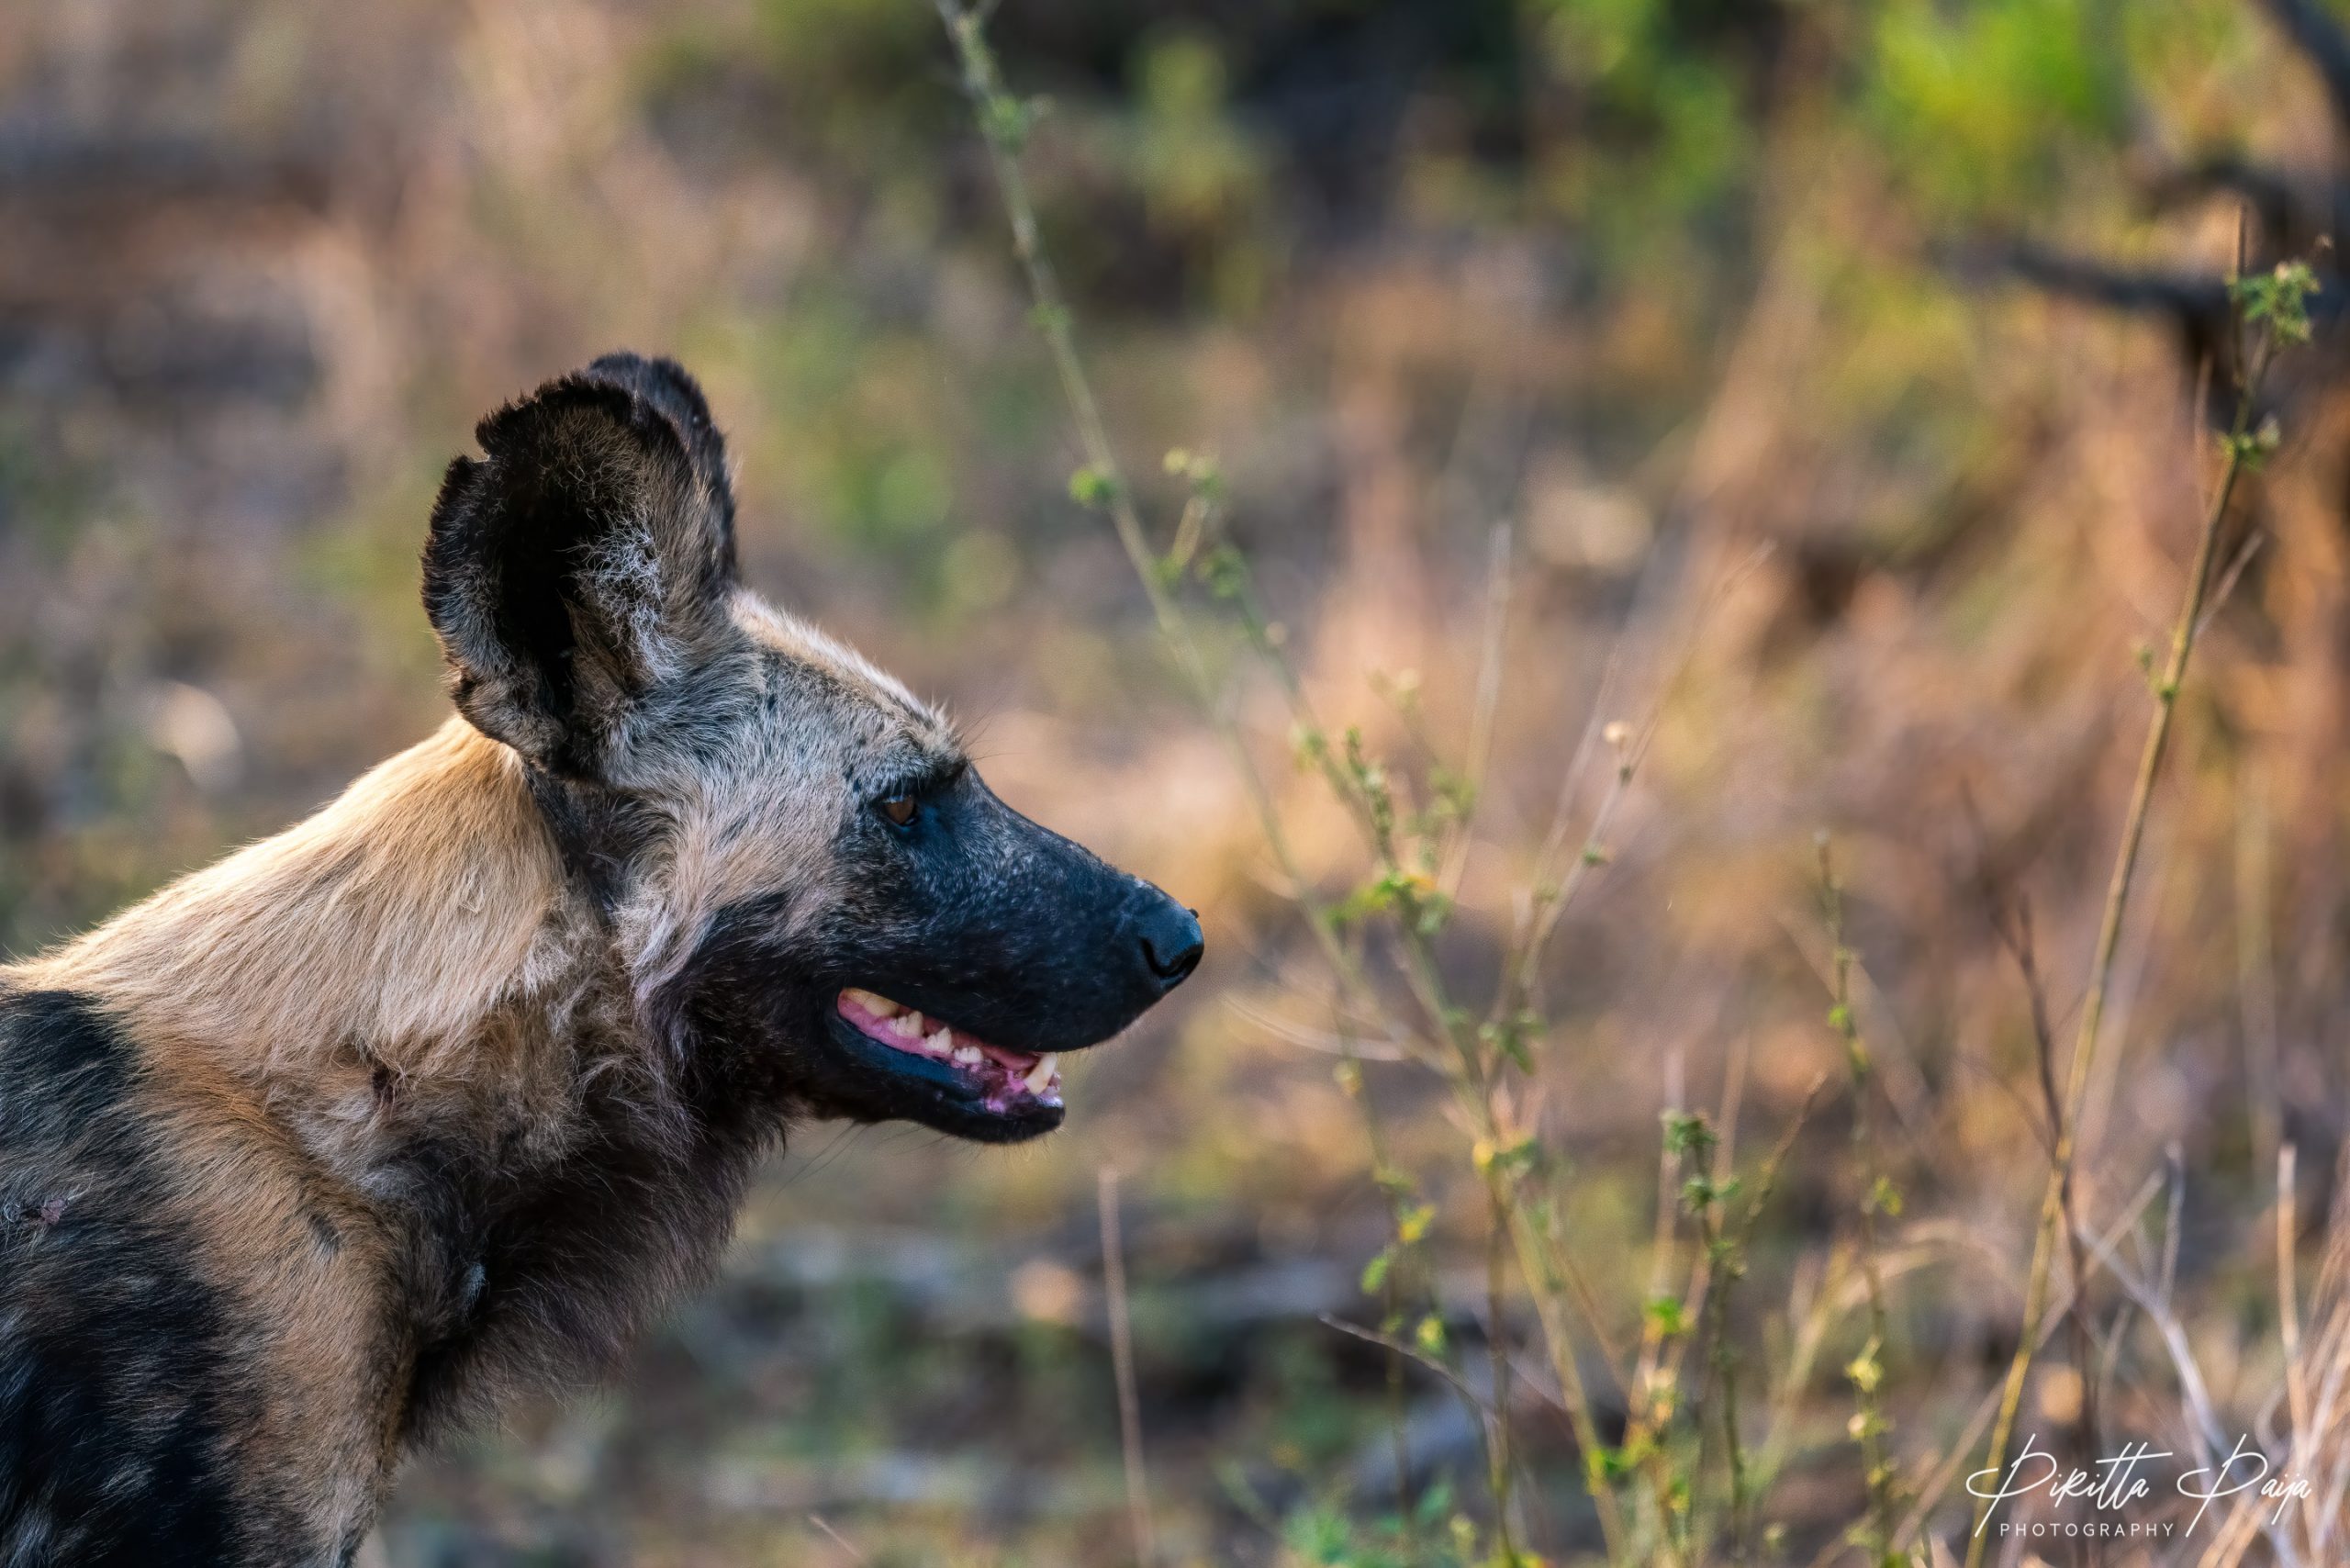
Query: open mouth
(1019, 1087)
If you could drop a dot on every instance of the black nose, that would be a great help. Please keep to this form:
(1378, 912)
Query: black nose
(1172, 942)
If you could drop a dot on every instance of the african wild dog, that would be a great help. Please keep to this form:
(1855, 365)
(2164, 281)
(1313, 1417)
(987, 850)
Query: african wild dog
(441, 1093)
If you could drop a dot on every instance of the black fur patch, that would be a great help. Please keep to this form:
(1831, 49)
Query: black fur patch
(541, 1278)
(116, 1390)
(542, 636)
(598, 832)
(663, 383)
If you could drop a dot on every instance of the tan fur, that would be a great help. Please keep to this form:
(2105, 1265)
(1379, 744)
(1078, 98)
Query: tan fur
(310, 1267)
(393, 921)
(271, 994)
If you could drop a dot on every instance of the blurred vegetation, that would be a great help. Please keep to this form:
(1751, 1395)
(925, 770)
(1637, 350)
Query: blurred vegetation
(1841, 376)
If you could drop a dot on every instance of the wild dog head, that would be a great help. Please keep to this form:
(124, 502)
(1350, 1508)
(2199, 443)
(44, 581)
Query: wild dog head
(814, 896)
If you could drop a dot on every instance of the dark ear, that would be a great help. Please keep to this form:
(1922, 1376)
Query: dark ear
(584, 560)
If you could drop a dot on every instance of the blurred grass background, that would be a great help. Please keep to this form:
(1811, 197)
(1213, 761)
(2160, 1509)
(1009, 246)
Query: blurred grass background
(1653, 282)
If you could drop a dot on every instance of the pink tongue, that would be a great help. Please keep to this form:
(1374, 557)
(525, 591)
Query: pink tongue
(1017, 1062)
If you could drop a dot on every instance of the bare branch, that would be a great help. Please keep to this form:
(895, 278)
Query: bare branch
(2199, 299)
(2291, 210)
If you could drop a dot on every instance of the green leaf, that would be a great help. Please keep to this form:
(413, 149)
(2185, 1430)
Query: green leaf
(2279, 299)
(1433, 910)
(1092, 487)
(1512, 1160)
(1885, 1198)
(1008, 121)
(1686, 1132)
(1865, 1371)
(1224, 571)
(1510, 1038)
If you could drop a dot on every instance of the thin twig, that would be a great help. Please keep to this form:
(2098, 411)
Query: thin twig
(2256, 964)
(997, 111)
(1741, 1494)
(1487, 703)
(2203, 1421)
(1411, 1353)
(2289, 1321)
(838, 1540)
(1122, 1355)
(1938, 1478)
(1554, 893)
(1498, 1454)
(2049, 1229)
(1647, 1384)
(1002, 121)
(1867, 1371)
(2013, 928)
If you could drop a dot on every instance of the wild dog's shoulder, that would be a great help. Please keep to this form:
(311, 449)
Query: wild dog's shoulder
(119, 1397)
(60, 1060)
(68, 1078)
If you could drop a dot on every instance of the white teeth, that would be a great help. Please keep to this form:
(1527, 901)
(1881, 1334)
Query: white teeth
(879, 1006)
(1042, 1080)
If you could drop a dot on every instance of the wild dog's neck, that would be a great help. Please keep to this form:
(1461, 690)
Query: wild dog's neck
(393, 923)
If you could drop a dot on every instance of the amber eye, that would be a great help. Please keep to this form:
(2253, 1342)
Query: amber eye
(899, 809)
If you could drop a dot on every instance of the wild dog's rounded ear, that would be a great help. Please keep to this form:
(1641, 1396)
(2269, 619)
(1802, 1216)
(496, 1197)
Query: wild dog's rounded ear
(584, 559)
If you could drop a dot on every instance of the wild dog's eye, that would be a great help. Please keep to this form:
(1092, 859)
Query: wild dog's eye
(899, 809)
